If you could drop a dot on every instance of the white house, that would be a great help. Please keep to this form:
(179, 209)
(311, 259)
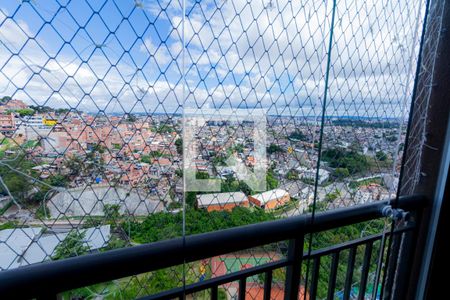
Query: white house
(310, 174)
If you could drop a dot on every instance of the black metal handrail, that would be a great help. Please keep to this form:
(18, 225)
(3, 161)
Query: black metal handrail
(50, 278)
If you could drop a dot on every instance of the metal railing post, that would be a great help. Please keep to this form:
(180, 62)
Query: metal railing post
(293, 271)
(267, 285)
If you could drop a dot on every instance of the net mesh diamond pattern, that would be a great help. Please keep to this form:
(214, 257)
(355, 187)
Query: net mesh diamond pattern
(94, 148)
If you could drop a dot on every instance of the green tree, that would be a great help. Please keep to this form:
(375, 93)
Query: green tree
(273, 148)
(75, 165)
(164, 128)
(219, 160)
(146, 159)
(191, 199)
(179, 146)
(131, 118)
(58, 180)
(99, 148)
(5, 99)
(390, 136)
(381, 156)
(202, 175)
(330, 197)
(174, 205)
(153, 155)
(161, 226)
(239, 148)
(355, 147)
(112, 214)
(298, 135)
(72, 245)
(341, 173)
(148, 283)
(271, 180)
(229, 185)
(292, 174)
(116, 243)
(41, 108)
(179, 172)
(243, 187)
(349, 159)
(319, 205)
(23, 112)
(92, 221)
(17, 184)
(61, 111)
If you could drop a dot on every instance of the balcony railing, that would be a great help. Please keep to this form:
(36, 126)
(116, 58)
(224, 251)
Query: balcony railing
(388, 278)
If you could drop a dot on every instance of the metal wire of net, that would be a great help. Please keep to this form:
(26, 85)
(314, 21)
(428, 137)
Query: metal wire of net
(127, 122)
(418, 134)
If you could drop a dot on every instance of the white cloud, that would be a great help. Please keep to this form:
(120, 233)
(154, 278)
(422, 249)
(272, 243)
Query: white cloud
(251, 51)
(160, 52)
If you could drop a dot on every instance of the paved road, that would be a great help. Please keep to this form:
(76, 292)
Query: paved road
(57, 226)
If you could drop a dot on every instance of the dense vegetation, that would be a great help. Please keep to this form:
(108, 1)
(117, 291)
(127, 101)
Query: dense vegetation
(335, 237)
(16, 183)
(274, 148)
(22, 112)
(292, 174)
(356, 184)
(161, 226)
(42, 108)
(151, 156)
(72, 245)
(348, 159)
(298, 135)
(231, 184)
(164, 128)
(381, 156)
(365, 124)
(5, 99)
(340, 173)
(179, 146)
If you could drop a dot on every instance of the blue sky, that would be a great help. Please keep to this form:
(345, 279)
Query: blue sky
(126, 56)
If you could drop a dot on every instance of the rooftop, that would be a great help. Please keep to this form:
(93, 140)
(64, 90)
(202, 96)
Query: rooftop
(270, 195)
(220, 198)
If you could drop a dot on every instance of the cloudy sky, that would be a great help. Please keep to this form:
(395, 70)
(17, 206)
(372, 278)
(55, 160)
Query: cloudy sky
(128, 55)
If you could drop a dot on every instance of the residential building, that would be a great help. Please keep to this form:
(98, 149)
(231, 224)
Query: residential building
(56, 142)
(370, 192)
(222, 201)
(7, 124)
(270, 199)
(49, 121)
(310, 174)
(34, 121)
